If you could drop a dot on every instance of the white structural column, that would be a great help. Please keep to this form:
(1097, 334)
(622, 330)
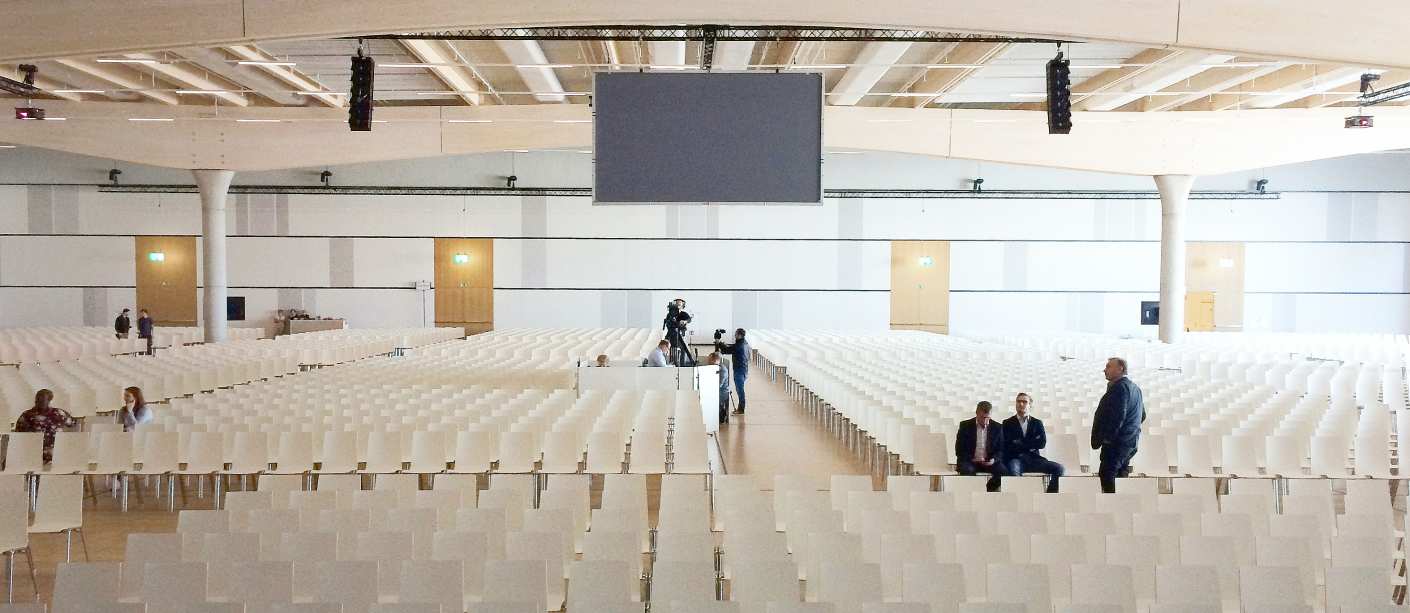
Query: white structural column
(214, 185)
(1174, 193)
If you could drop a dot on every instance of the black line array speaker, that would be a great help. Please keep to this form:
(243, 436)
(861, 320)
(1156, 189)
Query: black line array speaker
(360, 94)
(1059, 96)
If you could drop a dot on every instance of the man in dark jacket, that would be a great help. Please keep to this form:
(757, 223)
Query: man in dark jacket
(123, 324)
(739, 357)
(979, 446)
(1024, 440)
(144, 329)
(1116, 427)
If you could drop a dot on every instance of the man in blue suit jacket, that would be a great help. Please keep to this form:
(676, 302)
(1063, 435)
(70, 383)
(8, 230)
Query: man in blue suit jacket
(1116, 427)
(979, 446)
(1025, 438)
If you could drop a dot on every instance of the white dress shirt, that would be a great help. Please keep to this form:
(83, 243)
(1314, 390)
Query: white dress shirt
(657, 358)
(981, 441)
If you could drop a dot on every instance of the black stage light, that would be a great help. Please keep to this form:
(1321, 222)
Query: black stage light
(360, 94)
(1261, 186)
(1059, 96)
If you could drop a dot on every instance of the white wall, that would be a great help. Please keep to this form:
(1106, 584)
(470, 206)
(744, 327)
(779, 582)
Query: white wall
(1316, 261)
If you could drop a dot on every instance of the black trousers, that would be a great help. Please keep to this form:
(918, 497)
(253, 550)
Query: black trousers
(998, 469)
(1115, 462)
(1034, 463)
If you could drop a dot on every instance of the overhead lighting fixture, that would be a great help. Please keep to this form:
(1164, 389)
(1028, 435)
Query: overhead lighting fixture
(79, 91)
(411, 65)
(469, 121)
(263, 63)
(56, 119)
(670, 67)
(845, 152)
(29, 113)
(203, 91)
(257, 121)
(453, 93)
(460, 258)
(1356, 122)
(1027, 95)
(543, 65)
(150, 119)
(156, 256)
(318, 93)
(125, 60)
(587, 151)
(821, 66)
(8, 146)
(516, 150)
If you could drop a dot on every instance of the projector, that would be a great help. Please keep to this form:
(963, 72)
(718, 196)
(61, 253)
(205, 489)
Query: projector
(28, 112)
(1360, 121)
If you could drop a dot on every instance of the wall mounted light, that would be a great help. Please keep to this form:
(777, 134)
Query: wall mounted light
(927, 261)
(156, 256)
(460, 258)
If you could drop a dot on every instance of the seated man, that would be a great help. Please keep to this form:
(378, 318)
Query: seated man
(657, 357)
(602, 361)
(1025, 438)
(979, 446)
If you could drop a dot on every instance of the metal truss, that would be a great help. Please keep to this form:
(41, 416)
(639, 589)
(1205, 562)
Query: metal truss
(584, 192)
(706, 33)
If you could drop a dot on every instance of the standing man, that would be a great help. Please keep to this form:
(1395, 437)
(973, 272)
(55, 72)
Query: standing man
(1116, 427)
(122, 324)
(144, 329)
(739, 355)
(979, 446)
(1025, 437)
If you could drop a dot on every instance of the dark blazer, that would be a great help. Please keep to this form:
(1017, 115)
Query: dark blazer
(1119, 416)
(144, 327)
(965, 441)
(1017, 444)
(122, 324)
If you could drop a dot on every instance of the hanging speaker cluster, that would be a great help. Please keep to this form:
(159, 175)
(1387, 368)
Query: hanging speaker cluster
(360, 94)
(1059, 96)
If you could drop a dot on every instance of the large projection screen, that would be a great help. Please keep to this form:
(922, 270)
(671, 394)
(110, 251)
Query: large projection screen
(707, 138)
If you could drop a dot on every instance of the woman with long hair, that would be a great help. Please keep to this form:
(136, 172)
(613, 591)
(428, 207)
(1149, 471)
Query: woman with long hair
(45, 418)
(135, 411)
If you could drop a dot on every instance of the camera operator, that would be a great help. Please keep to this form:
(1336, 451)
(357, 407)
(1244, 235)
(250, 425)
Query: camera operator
(739, 354)
(676, 322)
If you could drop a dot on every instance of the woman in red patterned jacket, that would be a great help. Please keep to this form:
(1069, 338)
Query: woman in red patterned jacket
(45, 418)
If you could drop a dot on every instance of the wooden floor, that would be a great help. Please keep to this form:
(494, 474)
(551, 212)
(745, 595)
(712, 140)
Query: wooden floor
(775, 437)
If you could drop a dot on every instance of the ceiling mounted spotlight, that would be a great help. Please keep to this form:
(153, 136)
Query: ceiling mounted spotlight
(510, 180)
(976, 185)
(113, 176)
(1261, 186)
(326, 178)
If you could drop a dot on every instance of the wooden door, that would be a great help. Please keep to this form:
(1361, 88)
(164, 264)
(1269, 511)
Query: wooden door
(920, 286)
(166, 283)
(464, 283)
(1199, 311)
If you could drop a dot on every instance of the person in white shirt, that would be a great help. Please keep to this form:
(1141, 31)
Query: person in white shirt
(657, 357)
(1025, 437)
(979, 446)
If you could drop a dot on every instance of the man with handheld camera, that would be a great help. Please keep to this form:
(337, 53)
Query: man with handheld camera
(739, 355)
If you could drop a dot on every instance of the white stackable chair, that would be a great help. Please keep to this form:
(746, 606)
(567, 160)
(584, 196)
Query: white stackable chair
(59, 509)
(14, 540)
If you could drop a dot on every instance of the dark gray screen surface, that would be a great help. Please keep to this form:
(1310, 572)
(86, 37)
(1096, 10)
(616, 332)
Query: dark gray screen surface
(701, 137)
